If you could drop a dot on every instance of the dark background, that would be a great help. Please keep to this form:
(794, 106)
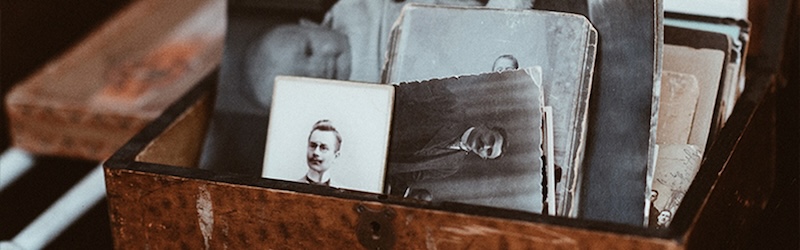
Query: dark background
(32, 33)
(35, 31)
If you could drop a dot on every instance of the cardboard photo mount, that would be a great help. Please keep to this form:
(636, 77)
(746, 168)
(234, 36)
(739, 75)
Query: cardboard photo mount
(683, 26)
(707, 66)
(359, 114)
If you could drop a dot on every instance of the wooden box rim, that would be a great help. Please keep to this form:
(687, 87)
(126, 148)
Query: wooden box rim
(680, 229)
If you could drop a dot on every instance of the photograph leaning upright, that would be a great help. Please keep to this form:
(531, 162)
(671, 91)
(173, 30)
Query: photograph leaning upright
(328, 132)
(430, 42)
(472, 139)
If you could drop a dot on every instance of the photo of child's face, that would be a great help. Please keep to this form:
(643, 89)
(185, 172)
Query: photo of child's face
(505, 62)
(296, 50)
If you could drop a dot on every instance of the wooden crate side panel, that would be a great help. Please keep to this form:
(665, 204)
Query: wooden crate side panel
(137, 223)
(132, 33)
(742, 189)
(426, 229)
(176, 212)
(180, 213)
(180, 144)
(89, 101)
(70, 133)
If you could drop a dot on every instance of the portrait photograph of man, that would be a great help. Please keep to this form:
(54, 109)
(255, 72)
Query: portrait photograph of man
(328, 133)
(324, 144)
(471, 139)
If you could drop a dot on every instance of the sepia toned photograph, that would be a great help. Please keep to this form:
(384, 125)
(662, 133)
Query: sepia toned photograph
(470, 139)
(329, 133)
(677, 165)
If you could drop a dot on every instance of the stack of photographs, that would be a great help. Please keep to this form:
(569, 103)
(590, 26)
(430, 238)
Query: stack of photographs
(471, 139)
(705, 47)
(576, 108)
(563, 45)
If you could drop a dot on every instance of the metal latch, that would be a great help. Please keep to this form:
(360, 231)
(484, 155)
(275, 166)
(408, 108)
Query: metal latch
(374, 228)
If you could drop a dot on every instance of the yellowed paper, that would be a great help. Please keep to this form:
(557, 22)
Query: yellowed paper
(675, 170)
(679, 94)
(706, 65)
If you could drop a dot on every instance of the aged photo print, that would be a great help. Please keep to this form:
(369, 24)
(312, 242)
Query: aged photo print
(471, 139)
(328, 132)
(435, 42)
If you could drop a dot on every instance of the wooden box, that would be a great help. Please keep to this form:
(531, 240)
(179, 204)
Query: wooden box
(89, 101)
(159, 199)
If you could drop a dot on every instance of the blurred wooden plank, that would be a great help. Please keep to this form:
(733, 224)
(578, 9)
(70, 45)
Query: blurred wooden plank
(89, 101)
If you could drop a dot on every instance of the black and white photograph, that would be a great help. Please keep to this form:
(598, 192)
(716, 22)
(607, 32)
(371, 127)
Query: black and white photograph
(620, 140)
(436, 41)
(261, 42)
(471, 139)
(335, 39)
(330, 133)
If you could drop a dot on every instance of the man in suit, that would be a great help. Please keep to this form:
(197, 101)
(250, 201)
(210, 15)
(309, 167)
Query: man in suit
(654, 213)
(431, 137)
(324, 143)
